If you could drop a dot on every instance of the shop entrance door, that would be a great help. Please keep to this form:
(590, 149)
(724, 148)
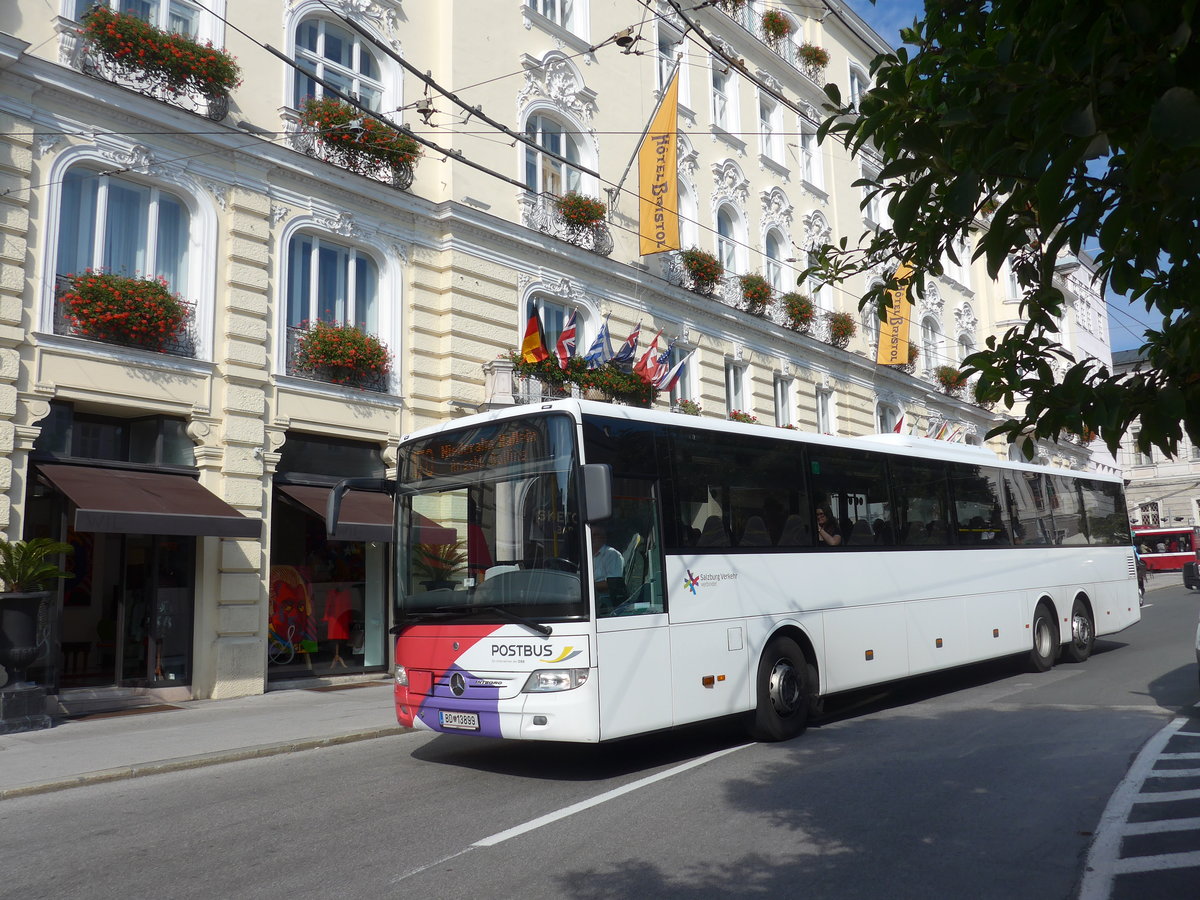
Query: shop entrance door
(127, 613)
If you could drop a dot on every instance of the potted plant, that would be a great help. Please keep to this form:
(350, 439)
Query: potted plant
(813, 56)
(123, 310)
(132, 46)
(703, 268)
(579, 212)
(435, 565)
(800, 311)
(775, 25)
(689, 408)
(739, 415)
(951, 379)
(841, 329)
(27, 568)
(358, 142)
(756, 291)
(342, 354)
(914, 353)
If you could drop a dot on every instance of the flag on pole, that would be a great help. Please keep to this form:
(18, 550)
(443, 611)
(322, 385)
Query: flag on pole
(658, 180)
(899, 429)
(668, 379)
(647, 366)
(564, 349)
(893, 333)
(533, 347)
(601, 350)
(629, 348)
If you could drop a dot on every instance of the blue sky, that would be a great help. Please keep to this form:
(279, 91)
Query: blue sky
(1125, 321)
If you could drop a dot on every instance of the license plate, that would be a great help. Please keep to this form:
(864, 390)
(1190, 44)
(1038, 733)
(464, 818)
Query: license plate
(469, 721)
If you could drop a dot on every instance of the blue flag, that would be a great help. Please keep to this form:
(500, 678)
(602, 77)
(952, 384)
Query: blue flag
(601, 350)
(629, 348)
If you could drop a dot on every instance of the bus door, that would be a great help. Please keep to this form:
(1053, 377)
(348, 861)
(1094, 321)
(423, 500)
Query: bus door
(633, 648)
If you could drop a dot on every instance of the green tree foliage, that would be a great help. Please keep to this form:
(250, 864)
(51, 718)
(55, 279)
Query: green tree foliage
(1037, 128)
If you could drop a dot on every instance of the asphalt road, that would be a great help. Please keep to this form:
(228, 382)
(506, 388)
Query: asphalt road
(983, 783)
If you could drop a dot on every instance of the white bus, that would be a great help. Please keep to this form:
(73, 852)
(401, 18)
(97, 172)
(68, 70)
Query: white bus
(747, 570)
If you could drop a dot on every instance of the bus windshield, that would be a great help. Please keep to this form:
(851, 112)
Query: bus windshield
(489, 524)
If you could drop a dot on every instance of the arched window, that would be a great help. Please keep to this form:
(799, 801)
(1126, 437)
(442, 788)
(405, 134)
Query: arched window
(774, 265)
(339, 56)
(966, 346)
(887, 417)
(931, 342)
(179, 16)
(544, 173)
(869, 319)
(553, 316)
(810, 154)
(726, 246)
(122, 226)
(331, 282)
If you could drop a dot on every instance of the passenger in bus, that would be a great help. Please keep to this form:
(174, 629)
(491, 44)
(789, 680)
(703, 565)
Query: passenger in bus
(828, 533)
(607, 561)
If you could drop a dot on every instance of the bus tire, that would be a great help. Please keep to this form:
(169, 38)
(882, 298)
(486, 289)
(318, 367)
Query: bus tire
(784, 692)
(1083, 634)
(1045, 639)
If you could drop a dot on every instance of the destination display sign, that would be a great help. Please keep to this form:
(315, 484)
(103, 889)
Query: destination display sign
(497, 445)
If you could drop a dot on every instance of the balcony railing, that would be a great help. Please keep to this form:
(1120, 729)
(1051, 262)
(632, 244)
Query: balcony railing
(183, 345)
(783, 47)
(395, 174)
(372, 381)
(540, 212)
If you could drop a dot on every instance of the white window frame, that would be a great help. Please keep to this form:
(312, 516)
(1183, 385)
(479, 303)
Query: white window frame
(723, 90)
(1150, 513)
(667, 35)
(685, 387)
(826, 413)
(347, 278)
(812, 168)
(857, 84)
(735, 386)
(931, 342)
(818, 290)
(357, 84)
(772, 262)
(569, 15)
(729, 246)
(783, 400)
(545, 169)
(770, 124)
(553, 313)
(869, 322)
(206, 24)
(886, 416)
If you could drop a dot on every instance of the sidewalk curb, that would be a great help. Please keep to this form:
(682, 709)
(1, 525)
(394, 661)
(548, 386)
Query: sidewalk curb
(179, 764)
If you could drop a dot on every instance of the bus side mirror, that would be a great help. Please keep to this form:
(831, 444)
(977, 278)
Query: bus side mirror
(597, 492)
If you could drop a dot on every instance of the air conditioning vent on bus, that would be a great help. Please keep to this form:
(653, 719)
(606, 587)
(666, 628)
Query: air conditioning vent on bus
(1132, 567)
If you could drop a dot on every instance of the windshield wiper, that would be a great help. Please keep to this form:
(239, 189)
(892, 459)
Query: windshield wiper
(520, 619)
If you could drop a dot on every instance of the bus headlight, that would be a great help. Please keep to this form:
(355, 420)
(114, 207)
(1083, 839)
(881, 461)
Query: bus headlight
(546, 680)
(401, 675)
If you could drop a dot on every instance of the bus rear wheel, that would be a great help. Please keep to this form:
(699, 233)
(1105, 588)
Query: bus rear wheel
(1083, 634)
(1045, 639)
(784, 692)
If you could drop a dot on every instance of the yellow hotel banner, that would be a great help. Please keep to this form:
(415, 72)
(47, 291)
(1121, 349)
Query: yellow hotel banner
(658, 181)
(893, 333)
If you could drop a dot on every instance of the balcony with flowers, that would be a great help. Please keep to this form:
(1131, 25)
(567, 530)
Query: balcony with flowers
(127, 50)
(337, 133)
(136, 312)
(572, 217)
(775, 29)
(338, 354)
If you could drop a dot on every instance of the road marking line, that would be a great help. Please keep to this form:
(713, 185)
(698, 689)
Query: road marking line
(1166, 796)
(509, 833)
(1100, 868)
(533, 824)
(1158, 863)
(1164, 825)
(1174, 773)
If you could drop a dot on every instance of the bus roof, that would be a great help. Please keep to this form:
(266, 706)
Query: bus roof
(901, 444)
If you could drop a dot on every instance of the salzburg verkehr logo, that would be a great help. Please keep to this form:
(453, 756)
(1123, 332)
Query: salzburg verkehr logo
(691, 582)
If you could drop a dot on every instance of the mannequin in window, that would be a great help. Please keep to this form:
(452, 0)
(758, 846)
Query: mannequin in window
(338, 612)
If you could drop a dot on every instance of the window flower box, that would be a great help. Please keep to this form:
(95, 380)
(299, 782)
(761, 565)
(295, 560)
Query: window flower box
(340, 134)
(799, 311)
(841, 328)
(756, 292)
(168, 66)
(117, 309)
(739, 415)
(341, 354)
(775, 25)
(607, 382)
(951, 380)
(578, 211)
(688, 408)
(704, 270)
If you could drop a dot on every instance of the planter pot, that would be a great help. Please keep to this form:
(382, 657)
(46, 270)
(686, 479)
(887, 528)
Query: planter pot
(19, 645)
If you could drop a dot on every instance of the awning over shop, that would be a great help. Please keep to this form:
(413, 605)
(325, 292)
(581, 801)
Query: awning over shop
(130, 502)
(363, 516)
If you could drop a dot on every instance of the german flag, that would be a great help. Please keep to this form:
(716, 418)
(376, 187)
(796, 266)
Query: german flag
(533, 347)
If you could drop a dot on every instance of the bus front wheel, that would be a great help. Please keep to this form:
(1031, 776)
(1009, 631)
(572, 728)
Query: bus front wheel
(1045, 639)
(784, 692)
(1083, 634)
